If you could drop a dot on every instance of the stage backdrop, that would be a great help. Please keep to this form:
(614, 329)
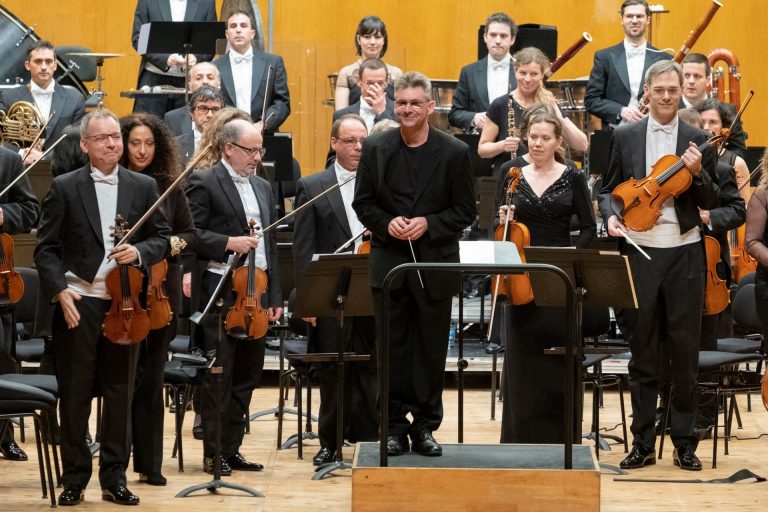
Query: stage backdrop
(436, 37)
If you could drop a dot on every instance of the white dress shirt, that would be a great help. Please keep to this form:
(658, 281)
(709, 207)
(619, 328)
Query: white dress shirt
(178, 10)
(347, 195)
(498, 77)
(43, 98)
(242, 75)
(661, 140)
(635, 64)
(367, 113)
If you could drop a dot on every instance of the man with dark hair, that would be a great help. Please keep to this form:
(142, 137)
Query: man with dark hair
(244, 72)
(373, 105)
(322, 228)
(697, 73)
(157, 69)
(203, 104)
(485, 80)
(615, 84)
(74, 253)
(415, 192)
(202, 73)
(664, 331)
(63, 105)
(223, 199)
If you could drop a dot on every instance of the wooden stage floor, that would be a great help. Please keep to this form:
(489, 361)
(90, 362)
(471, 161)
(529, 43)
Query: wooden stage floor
(287, 486)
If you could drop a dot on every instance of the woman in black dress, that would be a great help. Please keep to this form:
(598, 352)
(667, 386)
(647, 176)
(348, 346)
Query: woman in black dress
(150, 149)
(756, 240)
(549, 194)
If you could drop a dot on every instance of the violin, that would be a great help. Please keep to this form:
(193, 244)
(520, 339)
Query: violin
(126, 322)
(741, 262)
(716, 298)
(247, 318)
(11, 283)
(158, 305)
(364, 247)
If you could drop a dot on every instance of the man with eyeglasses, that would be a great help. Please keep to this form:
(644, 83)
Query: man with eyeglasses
(74, 253)
(664, 331)
(415, 192)
(322, 228)
(614, 88)
(203, 104)
(223, 199)
(202, 73)
(244, 72)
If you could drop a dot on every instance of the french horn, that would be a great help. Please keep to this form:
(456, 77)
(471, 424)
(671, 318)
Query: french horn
(20, 124)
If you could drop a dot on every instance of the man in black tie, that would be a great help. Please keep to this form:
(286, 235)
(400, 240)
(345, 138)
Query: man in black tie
(74, 253)
(243, 71)
(203, 104)
(223, 199)
(485, 80)
(615, 84)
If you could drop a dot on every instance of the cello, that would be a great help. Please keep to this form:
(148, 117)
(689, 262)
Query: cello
(516, 287)
(126, 322)
(247, 318)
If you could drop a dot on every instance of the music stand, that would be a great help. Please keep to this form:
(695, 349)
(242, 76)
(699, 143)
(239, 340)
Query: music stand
(279, 148)
(335, 285)
(598, 155)
(180, 37)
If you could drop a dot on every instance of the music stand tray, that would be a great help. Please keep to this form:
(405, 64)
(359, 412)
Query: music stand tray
(335, 285)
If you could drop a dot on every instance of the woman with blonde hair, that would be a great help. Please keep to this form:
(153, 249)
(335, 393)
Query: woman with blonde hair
(209, 143)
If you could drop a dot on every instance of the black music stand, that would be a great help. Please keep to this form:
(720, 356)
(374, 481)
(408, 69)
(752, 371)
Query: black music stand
(602, 279)
(279, 148)
(335, 285)
(217, 304)
(180, 37)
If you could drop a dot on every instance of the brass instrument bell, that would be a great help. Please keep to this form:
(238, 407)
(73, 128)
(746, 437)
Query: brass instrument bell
(20, 124)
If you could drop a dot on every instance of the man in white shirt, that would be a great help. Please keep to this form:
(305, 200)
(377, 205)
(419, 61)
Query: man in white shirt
(202, 73)
(374, 104)
(485, 80)
(204, 103)
(615, 84)
(63, 105)
(244, 71)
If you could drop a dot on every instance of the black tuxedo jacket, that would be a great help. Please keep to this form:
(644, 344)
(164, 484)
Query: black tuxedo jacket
(186, 144)
(148, 11)
(69, 237)
(471, 95)
(67, 107)
(179, 121)
(389, 111)
(218, 213)
(627, 160)
(322, 227)
(20, 207)
(608, 86)
(281, 100)
(445, 196)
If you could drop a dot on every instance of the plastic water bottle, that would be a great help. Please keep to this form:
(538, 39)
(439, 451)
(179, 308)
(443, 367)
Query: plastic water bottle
(452, 335)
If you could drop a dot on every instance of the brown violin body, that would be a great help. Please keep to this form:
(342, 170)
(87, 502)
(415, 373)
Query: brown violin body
(11, 283)
(158, 305)
(247, 318)
(516, 287)
(126, 322)
(364, 247)
(716, 297)
(741, 262)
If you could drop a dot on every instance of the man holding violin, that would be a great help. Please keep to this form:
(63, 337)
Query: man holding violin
(74, 253)
(223, 199)
(669, 286)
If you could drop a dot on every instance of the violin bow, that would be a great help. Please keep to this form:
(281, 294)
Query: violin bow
(351, 240)
(736, 118)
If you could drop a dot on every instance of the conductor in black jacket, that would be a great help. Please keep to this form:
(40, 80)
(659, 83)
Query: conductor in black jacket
(415, 191)
(670, 287)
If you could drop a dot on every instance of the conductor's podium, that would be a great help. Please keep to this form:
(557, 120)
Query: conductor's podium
(477, 477)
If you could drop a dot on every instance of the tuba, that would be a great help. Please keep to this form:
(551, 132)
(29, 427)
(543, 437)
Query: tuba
(734, 77)
(20, 124)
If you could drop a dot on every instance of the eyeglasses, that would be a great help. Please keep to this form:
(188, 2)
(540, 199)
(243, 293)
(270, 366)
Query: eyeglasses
(102, 138)
(415, 105)
(659, 92)
(350, 141)
(204, 110)
(252, 152)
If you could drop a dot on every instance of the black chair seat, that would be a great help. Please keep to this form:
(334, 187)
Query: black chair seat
(179, 344)
(45, 382)
(30, 351)
(711, 359)
(180, 374)
(593, 359)
(738, 345)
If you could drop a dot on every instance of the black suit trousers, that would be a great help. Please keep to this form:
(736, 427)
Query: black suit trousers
(418, 345)
(85, 362)
(242, 361)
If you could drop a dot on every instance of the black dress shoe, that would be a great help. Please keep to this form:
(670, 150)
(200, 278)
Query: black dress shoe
(239, 462)
(208, 466)
(197, 428)
(12, 451)
(119, 494)
(324, 456)
(71, 495)
(424, 444)
(397, 444)
(638, 458)
(685, 457)
(152, 478)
